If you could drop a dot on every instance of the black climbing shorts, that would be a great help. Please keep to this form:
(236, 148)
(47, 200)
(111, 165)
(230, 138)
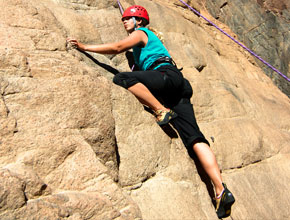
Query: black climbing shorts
(168, 85)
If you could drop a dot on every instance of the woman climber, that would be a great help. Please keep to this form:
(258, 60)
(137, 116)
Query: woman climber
(160, 85)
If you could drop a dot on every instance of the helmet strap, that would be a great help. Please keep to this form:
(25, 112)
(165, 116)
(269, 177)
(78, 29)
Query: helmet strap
(135, 23)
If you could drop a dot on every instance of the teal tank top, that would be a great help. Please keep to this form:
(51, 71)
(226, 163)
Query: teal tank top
(144, 57)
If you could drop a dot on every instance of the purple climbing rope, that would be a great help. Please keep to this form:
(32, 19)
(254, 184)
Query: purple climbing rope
(251, 52)
(120, 7)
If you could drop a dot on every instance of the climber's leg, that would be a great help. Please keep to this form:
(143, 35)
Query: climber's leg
(209, 163)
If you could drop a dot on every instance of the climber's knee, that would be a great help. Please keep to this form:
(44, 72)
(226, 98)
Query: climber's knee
(123, 80)
(118, 81)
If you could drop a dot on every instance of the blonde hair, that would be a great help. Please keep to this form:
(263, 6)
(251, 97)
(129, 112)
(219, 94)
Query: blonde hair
(154, 30)
(157, 33)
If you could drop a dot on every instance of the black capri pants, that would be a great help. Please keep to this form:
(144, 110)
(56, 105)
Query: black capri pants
(165, 83)
(169, 86)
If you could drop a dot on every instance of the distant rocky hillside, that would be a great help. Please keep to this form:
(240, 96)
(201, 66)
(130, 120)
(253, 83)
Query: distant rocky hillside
(74, 146)
(263, 25)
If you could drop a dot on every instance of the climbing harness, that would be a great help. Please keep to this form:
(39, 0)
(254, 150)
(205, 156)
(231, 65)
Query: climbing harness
(243, 46)
(160, 61)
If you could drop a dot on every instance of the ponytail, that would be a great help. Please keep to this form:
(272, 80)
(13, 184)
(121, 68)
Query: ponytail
(157, 33)
(154, 30)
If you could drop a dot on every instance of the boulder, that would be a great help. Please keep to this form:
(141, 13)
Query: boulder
(263, 26)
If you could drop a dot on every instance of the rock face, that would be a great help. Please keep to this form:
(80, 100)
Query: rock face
(75, 146)
(263, 26)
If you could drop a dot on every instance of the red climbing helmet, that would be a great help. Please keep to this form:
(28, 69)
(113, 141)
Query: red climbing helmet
(136, 11)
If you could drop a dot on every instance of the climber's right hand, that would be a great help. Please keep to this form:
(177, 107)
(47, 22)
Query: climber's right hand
(75, 43)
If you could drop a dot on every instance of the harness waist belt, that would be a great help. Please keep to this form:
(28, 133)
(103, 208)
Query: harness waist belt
(161, 60)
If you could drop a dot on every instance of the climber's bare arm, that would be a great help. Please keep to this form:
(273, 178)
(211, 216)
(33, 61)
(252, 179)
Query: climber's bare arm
(135, 38)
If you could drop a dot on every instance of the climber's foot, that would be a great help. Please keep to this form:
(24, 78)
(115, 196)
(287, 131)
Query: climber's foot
(224, 203)
(164, 116)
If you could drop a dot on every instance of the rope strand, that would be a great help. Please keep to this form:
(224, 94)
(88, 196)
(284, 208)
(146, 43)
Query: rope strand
(243, 46)
(120, 7)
